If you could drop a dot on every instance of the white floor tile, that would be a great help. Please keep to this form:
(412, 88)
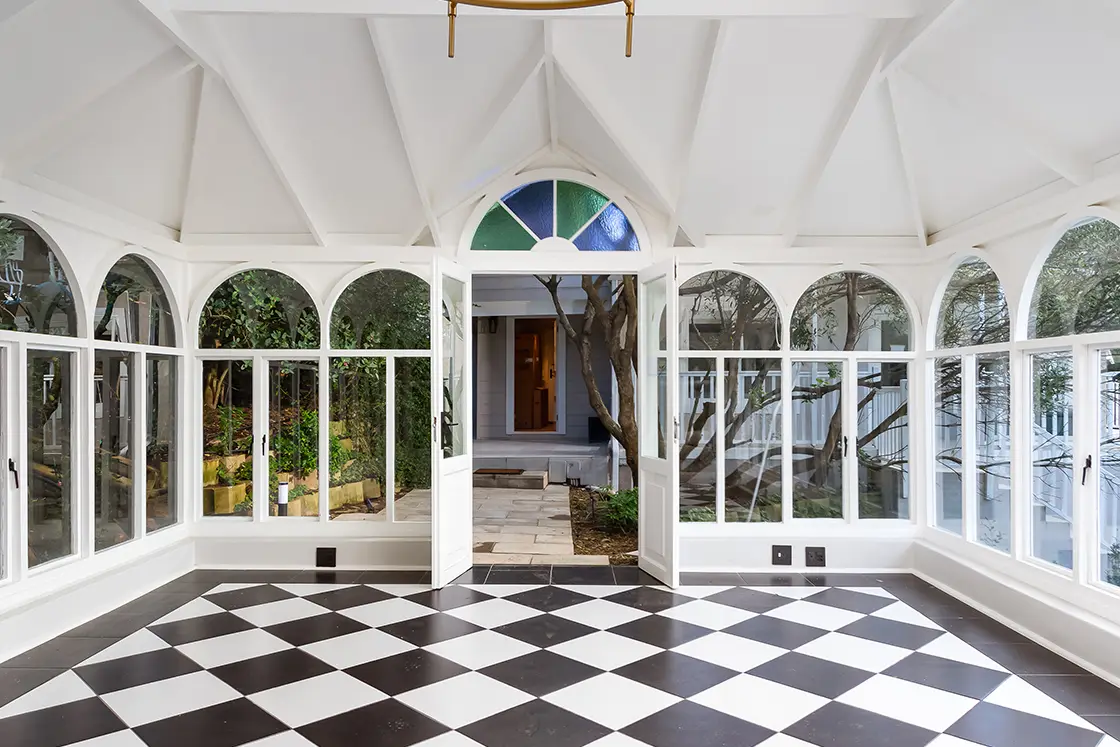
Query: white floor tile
(220, 588)
(760, 701)
(610, 700)
(789, 592)
(617, 739)
(283, 611)
(601, 614)
(481, 649)
(400, 590)
(126, 738)
(449, 739)
(900, 612)
(730, 651)
(870, 656)
(915, 704)
(816, 615)
(226, 649)
(1020, 695)
(463, 700)
(387, 612)
(306, 590)
(708, 614)
(784, 740)
(949, 646)
(317, 698)
(140, 642)
(502, 590)
(599, 591)
(494, 612)
(944, 740)
(283, 739)
(347, 651)
(65, 688)
(605, 650)
(194, 608)
(700, 592)
(874, 591)
(159, 700)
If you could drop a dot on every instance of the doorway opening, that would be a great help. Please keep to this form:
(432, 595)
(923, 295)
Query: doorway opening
(534, 375)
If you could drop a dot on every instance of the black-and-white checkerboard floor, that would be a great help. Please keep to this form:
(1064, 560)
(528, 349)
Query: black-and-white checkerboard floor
(396, 665)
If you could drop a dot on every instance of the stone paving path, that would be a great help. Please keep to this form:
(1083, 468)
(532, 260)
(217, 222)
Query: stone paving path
(525, 527)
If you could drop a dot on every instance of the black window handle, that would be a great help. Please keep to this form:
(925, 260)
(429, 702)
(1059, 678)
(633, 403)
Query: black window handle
(264, 444)
(14, 471)
(1088, 466)
(845, 446)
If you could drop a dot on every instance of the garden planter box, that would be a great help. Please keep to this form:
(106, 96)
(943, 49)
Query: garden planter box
(371, 489)
(210, 466)
(344, 495)
(220, 499)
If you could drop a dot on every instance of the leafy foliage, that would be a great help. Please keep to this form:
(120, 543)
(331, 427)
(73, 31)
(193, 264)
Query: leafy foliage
(259, 309)
(41, 300)
(385, 310)
(974, 308)
(620, 512)
(1076, 288)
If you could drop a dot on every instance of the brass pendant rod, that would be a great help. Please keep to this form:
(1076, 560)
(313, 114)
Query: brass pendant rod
(528, 5)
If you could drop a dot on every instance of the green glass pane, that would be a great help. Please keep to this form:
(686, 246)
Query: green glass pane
(576, 204)
(500, 231)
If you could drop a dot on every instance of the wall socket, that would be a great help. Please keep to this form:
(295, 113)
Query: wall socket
(326, 557)
(781, 554)
(814, 557)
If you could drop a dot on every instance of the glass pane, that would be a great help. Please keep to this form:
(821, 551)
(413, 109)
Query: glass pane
(753, 440)
(227, 438)
(653, 419)
(724, 310)
(49, 486)
(34, 290)
(993, 450)
(1076, 288)
(500, 231)
(576, 204)
(162, 485)
(949, 459)
(259, 309)
(533, 204)
(850, 311)
(358, 387)
(699, 428)
(132, 306)
(452, 435)
(1109, 461)
(412, 472)
(818, 449)
(974, 308)
(1052, 458)
(609, 232)
(883, 440)
(293, 438)
(384, 310)
(113, 467)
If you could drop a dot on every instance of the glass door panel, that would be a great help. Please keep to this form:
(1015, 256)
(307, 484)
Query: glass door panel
(993, 450)
(753, 440)
(412, 454)
(882, 447)
(1051, 507)
(948, 448)
(358, 420)
(227, 438)
(50, 409)
(1108, 462)
(114, 465)
(161, 442)
(293, 438)
(818, 440)
(699, 432)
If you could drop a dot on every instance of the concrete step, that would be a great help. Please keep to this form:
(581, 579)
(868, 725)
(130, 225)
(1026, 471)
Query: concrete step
(524, 481)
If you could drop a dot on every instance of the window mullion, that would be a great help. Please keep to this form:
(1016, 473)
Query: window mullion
(968, 447)
(1083, 490)
(139, 444)
(721, 436)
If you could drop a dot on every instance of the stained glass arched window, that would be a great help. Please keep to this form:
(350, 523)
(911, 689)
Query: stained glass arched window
(133, 306)
(1076, 289)
(259, 309)
(974, 308)
(35, 293)
(555, 208)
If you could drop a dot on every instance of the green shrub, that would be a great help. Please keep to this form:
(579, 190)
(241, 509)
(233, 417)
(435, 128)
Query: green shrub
(699, 514)
(244, 471)
(619, 513)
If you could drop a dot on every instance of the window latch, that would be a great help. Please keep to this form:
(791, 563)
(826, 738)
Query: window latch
(14, 471)
(845, 446)
(264, 444)
(1085, 470)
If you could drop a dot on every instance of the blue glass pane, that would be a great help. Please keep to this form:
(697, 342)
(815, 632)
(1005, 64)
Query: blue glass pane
(610, 232)
(533, 204)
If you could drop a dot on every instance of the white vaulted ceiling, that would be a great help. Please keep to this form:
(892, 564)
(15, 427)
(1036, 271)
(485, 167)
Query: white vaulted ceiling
(343, 121)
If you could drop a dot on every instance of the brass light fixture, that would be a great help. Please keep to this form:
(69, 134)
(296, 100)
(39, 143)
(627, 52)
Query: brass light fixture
(453, 12)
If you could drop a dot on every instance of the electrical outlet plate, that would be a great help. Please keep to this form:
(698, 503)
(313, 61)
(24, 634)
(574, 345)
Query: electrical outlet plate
(814, 557)
(326, 557)
(781, 554)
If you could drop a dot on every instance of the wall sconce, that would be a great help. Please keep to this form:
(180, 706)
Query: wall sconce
(536, 5)
(492, 324)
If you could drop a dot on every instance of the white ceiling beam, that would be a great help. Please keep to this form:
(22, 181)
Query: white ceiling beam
(550, 86)
(263, 127)
(103, 110)
(646, 8)
(205, 92)
(717, 40)
(390, 76)
(907, 164)
(860, 80)
(161, 12)
(1064, 163)
(916, 32)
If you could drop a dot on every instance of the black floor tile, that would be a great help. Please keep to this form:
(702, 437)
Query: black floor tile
(853, 601)
(405, 672)
(824, 678)
(499, 575)
(231, 724)
(476, 575)
(328, 576)
(394, 723)
(274, 670)
(549, 598)
(601, 575)
(424, 631)
(750, 600)
(839, 725)
(449, 598)
(395, 577)
(317, 628)
(130, 671)
(1083, 694)
(545, 630)
(843, 579)
(60, 725)
(773, 579)
(676, 674)
(59, 653)
(1110, 725)
(995, 726)
(222, 576)
(903, 635)
(155, 604)
(114, 625)
(17, 682)
(663, 632)
(629, 575)
(250, 596)
(649, 599)
(1028, 658)
(781, 633)
(196, 628)
(980, 630)
(541, 672)
(711, 579)
(351, 596)
(946, 674)
(933, 603)
(689, 724)
(535, 723)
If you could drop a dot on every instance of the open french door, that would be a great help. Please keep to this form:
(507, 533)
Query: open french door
(658, 423)
(452, 457)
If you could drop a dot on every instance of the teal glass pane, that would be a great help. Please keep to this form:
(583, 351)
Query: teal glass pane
(576, 204)
(533, 204)
(610, 232)
(500, 231)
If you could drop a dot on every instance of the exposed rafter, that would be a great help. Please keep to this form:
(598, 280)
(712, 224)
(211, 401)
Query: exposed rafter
(205, 91)
(103, 110)
(161, 12)
(916, 31)
(550, 86)
(390, 76)
(907, 164)
(862, 78)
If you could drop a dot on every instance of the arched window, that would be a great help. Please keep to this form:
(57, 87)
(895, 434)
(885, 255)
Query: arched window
(731, 397)
(259, 309)
(384, 310)
(36, 295)
(133, 306)
(532, 213)
(1076, 291)
(974, 308)
(850, 311)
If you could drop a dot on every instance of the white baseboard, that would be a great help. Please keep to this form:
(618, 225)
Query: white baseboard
(714, 554)
(389, 553)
